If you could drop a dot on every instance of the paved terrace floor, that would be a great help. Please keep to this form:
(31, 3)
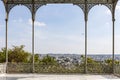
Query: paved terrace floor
(56, 77)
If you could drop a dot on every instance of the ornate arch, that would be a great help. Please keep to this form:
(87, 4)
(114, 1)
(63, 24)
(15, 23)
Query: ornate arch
(109, 6)
(29, 6)
(90, 6)
(37, 6)
(9, 7)
(82, 6)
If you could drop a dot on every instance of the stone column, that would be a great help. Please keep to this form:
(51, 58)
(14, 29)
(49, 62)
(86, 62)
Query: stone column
(113, 39)
(6, 39)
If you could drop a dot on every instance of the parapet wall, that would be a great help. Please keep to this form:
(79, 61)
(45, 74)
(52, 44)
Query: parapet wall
(2, 67)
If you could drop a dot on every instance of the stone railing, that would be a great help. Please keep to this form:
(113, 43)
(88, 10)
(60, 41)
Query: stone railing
(117, 70)
(2, 67)
(57, 68)
(43, 68)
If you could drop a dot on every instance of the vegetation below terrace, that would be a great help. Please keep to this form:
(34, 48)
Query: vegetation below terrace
(20, 61)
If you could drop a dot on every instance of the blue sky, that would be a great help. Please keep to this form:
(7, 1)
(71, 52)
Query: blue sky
(59, 28)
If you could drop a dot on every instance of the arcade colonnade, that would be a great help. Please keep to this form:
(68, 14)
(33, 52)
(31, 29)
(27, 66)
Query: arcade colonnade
(85, 5)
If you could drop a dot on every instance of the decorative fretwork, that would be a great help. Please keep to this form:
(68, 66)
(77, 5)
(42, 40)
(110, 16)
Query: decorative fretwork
(86, 8)
(82, 6)
(9, 7)
(34, 5)
(109, 6)
(90, 6)
(29, 6)
(37, 6)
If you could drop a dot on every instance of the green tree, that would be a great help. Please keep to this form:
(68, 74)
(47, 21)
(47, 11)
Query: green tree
(48, 60)
(89, 60)
(109, 61)
(18, 54)
(36, 58)
(2, 55)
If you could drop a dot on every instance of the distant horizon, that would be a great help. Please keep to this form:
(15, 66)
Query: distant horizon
(80, 53)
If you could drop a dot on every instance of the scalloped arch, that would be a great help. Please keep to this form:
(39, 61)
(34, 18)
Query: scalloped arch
(82, 7)
(109, 6)
(11, 6)
(37, 6)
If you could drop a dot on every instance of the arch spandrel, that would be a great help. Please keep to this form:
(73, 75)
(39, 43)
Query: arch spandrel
(90, 6)
(82, 6)
(33, 8)
(86, 8)
(86, 11)
(9, 7)
(37, 6)
(109, 6)
(29, 6)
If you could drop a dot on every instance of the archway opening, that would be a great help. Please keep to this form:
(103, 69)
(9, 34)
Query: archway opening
(61, 33)
(99, 39)
(19, 40)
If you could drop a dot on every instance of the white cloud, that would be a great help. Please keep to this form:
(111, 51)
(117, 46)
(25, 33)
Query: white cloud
(18, 20)
(108, 12)
(118, 7)
(100, 45)
(74, 38)
(103, 45)
(40, 35)
(1, 27)
(107, 24)
(37, 23)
